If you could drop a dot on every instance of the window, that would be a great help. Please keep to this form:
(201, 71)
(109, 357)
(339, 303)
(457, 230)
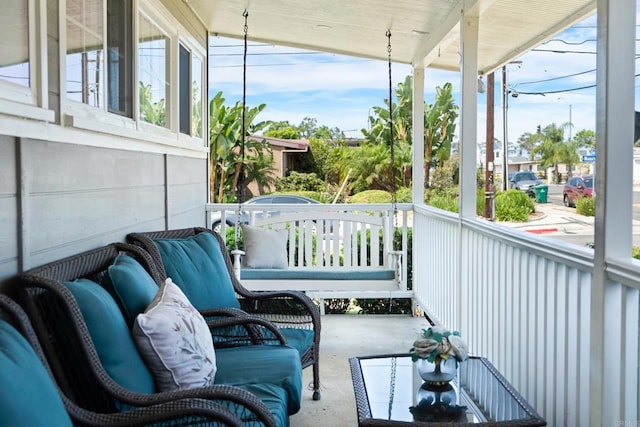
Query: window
(120, 57)
(14, 43)
(190, 93)
(85, 52)
(197, 71)
(153, 52)
(99, 74)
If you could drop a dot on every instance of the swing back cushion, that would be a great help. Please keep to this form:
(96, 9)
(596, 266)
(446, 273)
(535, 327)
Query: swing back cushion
(196, 264)
(265, 248)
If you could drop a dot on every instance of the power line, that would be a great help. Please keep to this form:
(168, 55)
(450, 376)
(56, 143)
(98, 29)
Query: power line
(555, 78)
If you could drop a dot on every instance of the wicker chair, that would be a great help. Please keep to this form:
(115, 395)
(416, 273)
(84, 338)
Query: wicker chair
(289, 310)
(171, 412)
(74, 361)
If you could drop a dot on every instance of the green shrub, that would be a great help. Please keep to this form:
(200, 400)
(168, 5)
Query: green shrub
(444, 201)
(371, 196)
(635, 252)
(586, 206)
(404, 195)
(513, 205)
(297, 181)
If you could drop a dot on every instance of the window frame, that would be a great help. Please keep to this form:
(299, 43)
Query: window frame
(86, 117)
(31, 101)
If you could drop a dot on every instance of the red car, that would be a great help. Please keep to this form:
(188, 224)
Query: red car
(577, 186)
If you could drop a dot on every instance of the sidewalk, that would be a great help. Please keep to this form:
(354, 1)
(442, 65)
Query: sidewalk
(555, 219)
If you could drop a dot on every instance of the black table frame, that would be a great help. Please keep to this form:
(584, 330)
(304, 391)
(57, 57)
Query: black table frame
(479, 382)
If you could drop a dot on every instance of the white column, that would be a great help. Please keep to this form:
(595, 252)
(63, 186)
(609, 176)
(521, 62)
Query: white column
(613, 176)
(418, 134)
(468, 147)
(468, 113)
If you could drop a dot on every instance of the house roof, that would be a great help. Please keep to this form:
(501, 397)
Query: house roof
(290, 144)
(422, 31)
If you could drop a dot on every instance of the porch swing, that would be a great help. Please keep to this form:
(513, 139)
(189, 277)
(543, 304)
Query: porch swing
(324, 254)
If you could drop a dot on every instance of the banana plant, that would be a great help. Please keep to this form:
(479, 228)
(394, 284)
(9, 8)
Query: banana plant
(227, 144)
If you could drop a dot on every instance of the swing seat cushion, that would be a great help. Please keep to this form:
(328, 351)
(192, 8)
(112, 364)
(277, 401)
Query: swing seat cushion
(196, 264)
(316, 274)
(265, 248)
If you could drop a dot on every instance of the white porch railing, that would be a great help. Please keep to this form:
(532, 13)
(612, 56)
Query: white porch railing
(524, 302)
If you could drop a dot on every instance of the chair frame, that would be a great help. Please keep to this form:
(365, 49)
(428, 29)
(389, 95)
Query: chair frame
(67, 344)
(284, 308)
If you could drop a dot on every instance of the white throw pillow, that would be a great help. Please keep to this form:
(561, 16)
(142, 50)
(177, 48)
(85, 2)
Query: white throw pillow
(175, 342)
(265, 248)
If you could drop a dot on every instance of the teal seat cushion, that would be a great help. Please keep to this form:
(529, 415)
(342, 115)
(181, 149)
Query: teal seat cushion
(258, 364)
(28, 395)
(197, 266)
(111, 336)
(131, 285)
(274, 397)
(300, 339)
(314, 274)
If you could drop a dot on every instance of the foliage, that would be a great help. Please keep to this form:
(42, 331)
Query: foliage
(513, 205)
(552, 150)
(444, 200)
(586, 206)
(438, 133)
(371, 196)
(404, 195)
(283, 130)
(585, 138)
(151, 112)
(447, 175)
(440, 126)
(529, 141)
(635, 252)
(228, 165)
(297, 181)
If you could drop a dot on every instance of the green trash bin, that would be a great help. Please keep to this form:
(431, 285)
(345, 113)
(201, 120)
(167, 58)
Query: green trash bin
(541, 193)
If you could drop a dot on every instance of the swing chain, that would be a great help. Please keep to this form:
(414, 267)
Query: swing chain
(240, 184)
(394, 201)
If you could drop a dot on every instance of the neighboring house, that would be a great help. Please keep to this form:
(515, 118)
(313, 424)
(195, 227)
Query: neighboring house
(286, 158)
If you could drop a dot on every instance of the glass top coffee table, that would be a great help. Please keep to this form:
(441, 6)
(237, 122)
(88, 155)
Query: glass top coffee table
(389, 391)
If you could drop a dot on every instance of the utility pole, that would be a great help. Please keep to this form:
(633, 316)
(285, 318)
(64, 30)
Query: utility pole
(505, 142)
(489, 189)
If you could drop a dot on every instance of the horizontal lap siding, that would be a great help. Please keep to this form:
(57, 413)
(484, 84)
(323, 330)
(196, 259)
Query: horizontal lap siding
(78, 197)
(187, 191)
(8, 207)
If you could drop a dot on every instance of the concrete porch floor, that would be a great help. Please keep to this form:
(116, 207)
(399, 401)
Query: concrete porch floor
(342, 337)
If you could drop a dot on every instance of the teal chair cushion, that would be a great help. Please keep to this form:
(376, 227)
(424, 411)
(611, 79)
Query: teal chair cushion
(197, 266)
(300, 339)
(111, 336)
(274, 397)
(131, 285)
(262, 364)
(28, 395)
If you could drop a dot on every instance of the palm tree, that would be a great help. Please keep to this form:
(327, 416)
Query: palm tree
(552, 150)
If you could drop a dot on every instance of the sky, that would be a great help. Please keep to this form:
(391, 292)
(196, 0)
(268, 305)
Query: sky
(339, 91)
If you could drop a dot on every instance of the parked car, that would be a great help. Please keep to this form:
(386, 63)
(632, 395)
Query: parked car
(525, 181)
(577, 186)
(230, 216)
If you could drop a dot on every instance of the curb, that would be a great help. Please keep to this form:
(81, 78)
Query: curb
(543, 230)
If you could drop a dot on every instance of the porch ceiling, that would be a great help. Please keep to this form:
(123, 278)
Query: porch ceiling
(423, 31)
